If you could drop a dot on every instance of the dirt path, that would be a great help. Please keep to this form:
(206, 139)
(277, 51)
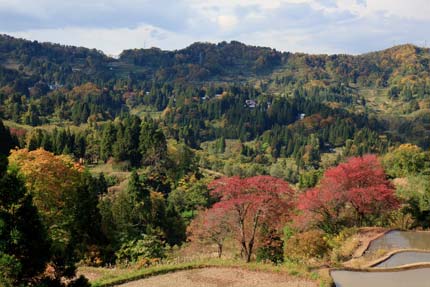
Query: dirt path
(221, 277)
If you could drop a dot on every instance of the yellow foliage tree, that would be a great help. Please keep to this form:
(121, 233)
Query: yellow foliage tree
(405, 160)
(52, 181)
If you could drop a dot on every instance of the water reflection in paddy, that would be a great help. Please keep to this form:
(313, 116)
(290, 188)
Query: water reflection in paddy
(401, 240)
(404, 258)
(408, 278)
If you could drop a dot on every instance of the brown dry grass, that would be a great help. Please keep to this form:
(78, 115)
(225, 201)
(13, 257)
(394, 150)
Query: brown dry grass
(364, 236)
(221, 277)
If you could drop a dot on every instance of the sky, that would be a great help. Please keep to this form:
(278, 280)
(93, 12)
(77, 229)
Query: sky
(310, 26)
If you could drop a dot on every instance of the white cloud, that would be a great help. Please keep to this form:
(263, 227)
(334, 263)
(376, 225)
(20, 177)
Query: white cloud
(111, 41)
(412, 9)
(323, 26)
(227, 22)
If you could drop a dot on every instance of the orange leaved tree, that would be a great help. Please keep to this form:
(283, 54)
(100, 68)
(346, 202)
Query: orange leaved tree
(58, 189)
(51, 179)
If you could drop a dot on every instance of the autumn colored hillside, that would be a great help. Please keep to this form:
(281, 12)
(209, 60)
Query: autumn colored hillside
(215, 155)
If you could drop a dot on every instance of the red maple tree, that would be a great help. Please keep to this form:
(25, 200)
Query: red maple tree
(251, 203)
(210, 226)
(355, 192)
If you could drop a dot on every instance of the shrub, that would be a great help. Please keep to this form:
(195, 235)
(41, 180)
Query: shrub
(80, 282)
(336, 241)
(10, 269)
(306, 245)
(121, 166)
(401, 219)
(93, 256)
(343, 244)
(47, 281)
(146, 249)
(272, 248)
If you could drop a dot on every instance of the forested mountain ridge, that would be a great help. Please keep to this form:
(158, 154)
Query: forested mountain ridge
(206, 61)
(230, 90)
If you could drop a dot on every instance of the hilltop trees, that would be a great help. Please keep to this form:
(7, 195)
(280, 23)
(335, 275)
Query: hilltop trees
(353, 193)
(321, 108)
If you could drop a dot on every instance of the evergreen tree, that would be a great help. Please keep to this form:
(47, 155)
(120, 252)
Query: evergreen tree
(174, 226)
(131, 140)
(6, 140)
(141, 200)
(107, 140)
(152, 144)
(86, 215)
(24, 247)
(32, 116)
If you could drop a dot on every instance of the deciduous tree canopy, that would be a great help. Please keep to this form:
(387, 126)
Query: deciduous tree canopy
(356, 192)
(251, 203)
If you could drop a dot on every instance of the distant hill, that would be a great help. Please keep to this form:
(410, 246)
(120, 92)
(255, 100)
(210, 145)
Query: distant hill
(206, 62)
(391, 87)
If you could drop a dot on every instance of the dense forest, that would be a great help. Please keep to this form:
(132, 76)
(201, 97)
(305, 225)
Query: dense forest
(125, 160)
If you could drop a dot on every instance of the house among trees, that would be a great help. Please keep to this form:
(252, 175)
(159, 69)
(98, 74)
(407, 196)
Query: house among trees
(55, 86)
(251, 103)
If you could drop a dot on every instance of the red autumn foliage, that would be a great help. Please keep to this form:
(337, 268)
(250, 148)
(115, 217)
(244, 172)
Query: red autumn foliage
(19, 133)
(251, 203)
(355, 193)
(210, 226)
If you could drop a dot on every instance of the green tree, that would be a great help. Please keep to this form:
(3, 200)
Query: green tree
(415, 191)
(141, 202)
(6, 142)
(64, 202)
(107, 140)
(85, 214)
(31, 117)
(148, 248)
(152, 144)
(174, 227)
(406, 160)
(24, 247)
(190, 195)
(131, 140)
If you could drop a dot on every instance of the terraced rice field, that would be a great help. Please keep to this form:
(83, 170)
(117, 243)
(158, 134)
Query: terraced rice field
(221, 277)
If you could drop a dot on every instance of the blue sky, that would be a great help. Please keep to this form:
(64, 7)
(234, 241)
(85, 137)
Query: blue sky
(325, 26)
